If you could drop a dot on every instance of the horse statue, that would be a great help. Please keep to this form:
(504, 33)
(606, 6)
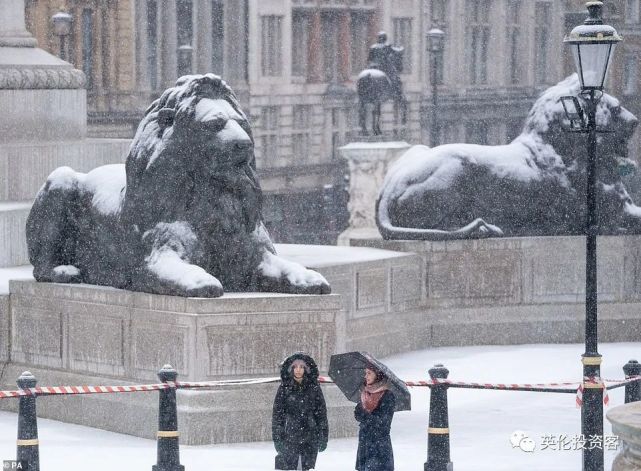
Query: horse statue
(380, 82)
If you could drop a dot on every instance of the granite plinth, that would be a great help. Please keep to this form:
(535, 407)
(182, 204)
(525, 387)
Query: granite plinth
(522, 290)
(626, 424)
(84, 334)
(106, 331)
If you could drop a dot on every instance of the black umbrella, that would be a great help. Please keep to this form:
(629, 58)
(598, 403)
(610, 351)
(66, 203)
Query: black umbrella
(348, 372)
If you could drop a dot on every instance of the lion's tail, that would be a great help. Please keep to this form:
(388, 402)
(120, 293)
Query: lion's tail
(476, 229)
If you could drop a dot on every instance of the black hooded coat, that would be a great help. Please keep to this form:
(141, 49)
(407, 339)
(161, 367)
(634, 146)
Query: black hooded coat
(299, 418)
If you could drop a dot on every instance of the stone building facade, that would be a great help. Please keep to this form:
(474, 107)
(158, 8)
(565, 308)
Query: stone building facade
(101, 45)
(500, 54)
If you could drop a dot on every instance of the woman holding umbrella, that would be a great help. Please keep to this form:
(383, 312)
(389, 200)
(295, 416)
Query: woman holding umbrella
(377, 392)
(299, 419)
(374, 412)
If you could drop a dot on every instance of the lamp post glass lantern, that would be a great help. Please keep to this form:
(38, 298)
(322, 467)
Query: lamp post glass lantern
(435, 43)
(62, 28)
(592, 45)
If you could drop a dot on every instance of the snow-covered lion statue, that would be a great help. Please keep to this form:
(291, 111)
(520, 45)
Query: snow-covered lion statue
(533, 186)
(181, 217)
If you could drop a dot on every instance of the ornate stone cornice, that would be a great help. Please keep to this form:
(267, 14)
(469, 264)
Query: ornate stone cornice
(26, 78)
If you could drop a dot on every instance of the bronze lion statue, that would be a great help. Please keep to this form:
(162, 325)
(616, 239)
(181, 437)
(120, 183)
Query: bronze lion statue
(536, 185)
(181, 217)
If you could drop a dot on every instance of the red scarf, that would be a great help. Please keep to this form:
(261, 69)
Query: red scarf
(371, 395)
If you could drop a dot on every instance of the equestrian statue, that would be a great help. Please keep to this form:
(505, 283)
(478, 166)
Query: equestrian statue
(380, 82)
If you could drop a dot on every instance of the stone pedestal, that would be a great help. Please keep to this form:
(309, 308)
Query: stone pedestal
(42, 97)
(100, 330)
(83, 334)
(523, 289)
(626, 423)
(368, 164)
(13, 32)
(91, 335)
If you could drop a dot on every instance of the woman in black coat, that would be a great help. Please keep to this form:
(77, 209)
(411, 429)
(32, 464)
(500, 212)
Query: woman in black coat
(299, 419)
(374, 412)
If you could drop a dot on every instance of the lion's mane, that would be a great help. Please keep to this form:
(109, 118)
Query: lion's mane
(229, 202)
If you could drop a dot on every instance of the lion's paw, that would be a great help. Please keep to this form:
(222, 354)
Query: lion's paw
(65, 274)
(174, 276)
(308, 282)
(484, 229)
(211, 291)
(284, 276)
(202, 285)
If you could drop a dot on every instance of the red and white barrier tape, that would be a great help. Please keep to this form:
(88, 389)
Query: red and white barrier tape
(629, 379)
(435, 381)
(592, 380)
(68, 390)
(71, 390)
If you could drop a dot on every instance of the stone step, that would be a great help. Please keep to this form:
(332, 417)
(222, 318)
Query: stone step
(24, 167)
(13, 243)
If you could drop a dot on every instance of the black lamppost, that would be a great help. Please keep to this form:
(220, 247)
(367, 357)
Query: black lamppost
(62, 28)
(592, 46)
(435, 43)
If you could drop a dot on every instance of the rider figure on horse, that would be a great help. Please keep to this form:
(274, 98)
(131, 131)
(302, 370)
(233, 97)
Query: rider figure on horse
(388, 59)
(380, 82)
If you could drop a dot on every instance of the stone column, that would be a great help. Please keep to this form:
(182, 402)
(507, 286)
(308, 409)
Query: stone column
(236, 34)
(368, 164)
(374, 25)
(344, 42)
(626, 424)
(169, 52)
(142, 51)
(315, 38)
(99, 24)
(202, 38)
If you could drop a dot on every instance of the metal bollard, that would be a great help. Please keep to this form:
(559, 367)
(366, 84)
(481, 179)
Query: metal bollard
(168, 446)
(632, 390)
(438, 432)
(28, 449)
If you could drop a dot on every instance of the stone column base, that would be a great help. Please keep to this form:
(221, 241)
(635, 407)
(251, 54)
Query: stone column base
(368, 164)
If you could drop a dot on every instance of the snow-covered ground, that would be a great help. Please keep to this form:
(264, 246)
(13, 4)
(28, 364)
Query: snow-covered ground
(481, 422)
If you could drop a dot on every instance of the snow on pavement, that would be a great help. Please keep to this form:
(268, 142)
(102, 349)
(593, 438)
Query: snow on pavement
(481, 422)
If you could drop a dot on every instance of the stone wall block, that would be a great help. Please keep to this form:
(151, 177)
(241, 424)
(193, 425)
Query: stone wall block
(37, 335)
(44, 115)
